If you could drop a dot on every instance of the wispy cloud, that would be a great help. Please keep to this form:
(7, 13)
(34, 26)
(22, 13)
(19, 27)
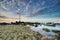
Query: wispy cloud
(7, 14)
(27, 8)
(35, 11)
(43, 2)
(8, 19)
(3, 17)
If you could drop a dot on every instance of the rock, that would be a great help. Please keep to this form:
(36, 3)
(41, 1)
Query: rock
(44, 38)
(48, 38)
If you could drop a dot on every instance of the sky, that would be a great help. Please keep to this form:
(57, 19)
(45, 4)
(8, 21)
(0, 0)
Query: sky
(30, 10)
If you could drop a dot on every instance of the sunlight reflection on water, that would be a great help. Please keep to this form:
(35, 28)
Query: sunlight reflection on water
(42, 32)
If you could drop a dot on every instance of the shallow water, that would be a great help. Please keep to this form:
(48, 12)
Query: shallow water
(42, 32)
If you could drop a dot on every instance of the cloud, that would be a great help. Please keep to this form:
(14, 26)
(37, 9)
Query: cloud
(3, 17)
(4, 7)
(57, 20)
(27, 7)
(8, 19)
(36, 10)
(9, 5)
(7, 14)
(43, 2)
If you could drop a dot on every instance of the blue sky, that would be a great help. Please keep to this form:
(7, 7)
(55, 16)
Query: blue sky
(34, 10)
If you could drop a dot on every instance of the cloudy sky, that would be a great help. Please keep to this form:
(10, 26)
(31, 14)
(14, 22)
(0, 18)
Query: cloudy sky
(30, 10)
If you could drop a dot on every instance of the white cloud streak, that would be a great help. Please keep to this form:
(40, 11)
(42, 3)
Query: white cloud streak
(43, 2)
(27, 8)
(35, 11)
(11, 4)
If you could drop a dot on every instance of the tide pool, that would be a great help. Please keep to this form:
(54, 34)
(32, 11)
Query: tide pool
(42, 32)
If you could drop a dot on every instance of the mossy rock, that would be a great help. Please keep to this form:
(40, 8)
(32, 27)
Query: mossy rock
(46, 29)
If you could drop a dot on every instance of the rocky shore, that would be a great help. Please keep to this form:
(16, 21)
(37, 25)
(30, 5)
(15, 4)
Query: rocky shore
(49, 38)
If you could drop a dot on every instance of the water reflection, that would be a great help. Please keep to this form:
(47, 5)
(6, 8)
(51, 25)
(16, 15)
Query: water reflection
(42, 32)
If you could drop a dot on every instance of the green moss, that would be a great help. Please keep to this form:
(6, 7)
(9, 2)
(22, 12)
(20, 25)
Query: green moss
(46, 29)
(56, 31)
